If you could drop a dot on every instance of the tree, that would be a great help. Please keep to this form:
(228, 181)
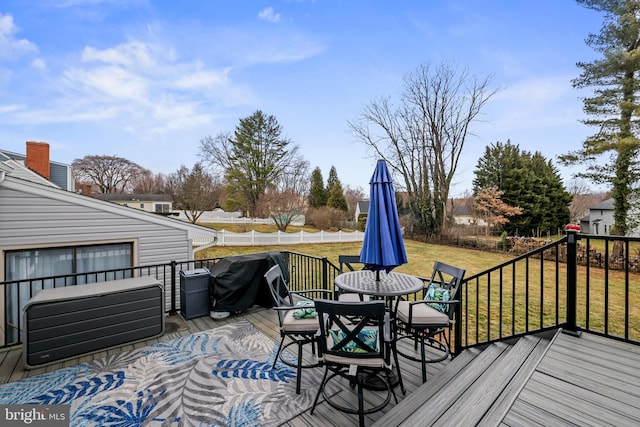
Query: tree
(611, 154)
(582, 198)
(112, 174)
(251, 159)
(336, 197)
(317, 192)
(149, 183)
(353, 196)
(492, 209)
(528, 181)
(284, 201)
(422, 138)
(193, 191)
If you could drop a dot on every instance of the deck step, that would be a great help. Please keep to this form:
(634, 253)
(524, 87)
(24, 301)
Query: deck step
(487, 381)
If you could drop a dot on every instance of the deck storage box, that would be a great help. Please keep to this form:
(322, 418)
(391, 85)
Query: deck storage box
(63, 323)
(194, 293)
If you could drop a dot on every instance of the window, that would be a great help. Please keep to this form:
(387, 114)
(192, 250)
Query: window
(141, 205)
(34, 263)
(162, 208)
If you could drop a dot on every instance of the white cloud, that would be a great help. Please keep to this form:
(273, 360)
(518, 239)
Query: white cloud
(10, 46)
(269, 15)
(203, 79)
(40, 64)
(132, 54)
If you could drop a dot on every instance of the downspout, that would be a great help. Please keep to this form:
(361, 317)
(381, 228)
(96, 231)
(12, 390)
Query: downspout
(2, 175)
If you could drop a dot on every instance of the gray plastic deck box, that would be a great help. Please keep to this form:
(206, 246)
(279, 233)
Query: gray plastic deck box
(194, 293)
(64, 323)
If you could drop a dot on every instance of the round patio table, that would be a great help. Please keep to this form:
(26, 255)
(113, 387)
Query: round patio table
(390, 284)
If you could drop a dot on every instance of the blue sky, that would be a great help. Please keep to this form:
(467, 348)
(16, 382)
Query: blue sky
(148, 79)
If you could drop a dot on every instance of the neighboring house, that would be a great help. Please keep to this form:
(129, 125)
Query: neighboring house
(362, 207)
(600, 219)
(46, 231)
(462, 214)
(37, 159)
(157, 203)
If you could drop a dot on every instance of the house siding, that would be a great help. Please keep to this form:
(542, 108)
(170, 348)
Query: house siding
(61, 175)
(33, 221)
(28, 219)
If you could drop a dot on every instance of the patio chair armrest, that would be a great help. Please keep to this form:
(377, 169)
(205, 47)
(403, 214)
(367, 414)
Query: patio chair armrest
(285, 308)
(309, 291)
(425, 301)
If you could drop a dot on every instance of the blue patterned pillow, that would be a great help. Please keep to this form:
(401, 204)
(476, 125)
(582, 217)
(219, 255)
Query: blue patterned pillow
(307, 310)
(367, 336)
(436, 293)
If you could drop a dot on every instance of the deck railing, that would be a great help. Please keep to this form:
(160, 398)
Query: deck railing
(305, 271)
(579, 283)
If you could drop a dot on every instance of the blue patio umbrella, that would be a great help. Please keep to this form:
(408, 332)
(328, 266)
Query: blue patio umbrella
(383, 246)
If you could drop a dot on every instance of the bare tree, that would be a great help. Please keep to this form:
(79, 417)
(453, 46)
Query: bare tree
(422, 138)
(353, 196)
(193, 191)
(494, 211)
(111, 174)
(285, 199)
(149, 183)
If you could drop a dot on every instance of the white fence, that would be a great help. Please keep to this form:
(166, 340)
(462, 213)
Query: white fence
(221, 217)
(255, 238)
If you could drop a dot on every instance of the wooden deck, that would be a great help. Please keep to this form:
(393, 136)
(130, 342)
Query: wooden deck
(557, 380)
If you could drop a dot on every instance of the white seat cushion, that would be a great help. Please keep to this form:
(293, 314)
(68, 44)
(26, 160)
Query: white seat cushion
(423, 314)
(291, 324)
(350, 297)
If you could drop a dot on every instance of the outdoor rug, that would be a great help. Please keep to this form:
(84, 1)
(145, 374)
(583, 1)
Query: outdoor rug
(220, 377)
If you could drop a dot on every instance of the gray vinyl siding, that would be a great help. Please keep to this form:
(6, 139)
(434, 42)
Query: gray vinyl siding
(61, 175)
(27, 219)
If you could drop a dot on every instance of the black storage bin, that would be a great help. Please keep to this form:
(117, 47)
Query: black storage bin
(194, 293)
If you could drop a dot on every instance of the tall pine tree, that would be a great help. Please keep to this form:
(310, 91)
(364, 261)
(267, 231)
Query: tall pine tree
(335, 191)
(317, 192)
(611, 154)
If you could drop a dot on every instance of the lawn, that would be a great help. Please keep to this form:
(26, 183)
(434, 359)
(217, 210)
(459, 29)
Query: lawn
(421, 255)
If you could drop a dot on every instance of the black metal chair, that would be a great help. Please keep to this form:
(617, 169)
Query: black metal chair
(358, 349)
(346, 263)
(429, 321)
(300, 329)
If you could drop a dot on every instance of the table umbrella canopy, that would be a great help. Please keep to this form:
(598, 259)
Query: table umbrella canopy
(383, 246)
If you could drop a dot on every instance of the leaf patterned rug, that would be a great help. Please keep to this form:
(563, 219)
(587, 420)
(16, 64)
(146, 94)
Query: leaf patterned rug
(220, 377)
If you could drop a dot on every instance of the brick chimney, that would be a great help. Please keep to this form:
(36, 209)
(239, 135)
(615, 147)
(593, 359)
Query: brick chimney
(38, 158)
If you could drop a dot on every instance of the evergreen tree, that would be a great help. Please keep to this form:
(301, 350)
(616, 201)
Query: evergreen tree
(253, 158)
(336, 198)
(611, 154)
(527, 181)
(317, 193)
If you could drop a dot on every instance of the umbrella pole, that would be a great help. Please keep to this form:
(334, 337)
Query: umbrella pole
(377, 275)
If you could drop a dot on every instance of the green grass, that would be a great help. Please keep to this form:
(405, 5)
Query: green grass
(421, 255)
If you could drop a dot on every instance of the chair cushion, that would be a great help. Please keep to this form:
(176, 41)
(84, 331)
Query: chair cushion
(306, 310)
(372, 362)
(436, 293)
(423, 314)
(350, 297)
(302, 325)
(368, 336)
